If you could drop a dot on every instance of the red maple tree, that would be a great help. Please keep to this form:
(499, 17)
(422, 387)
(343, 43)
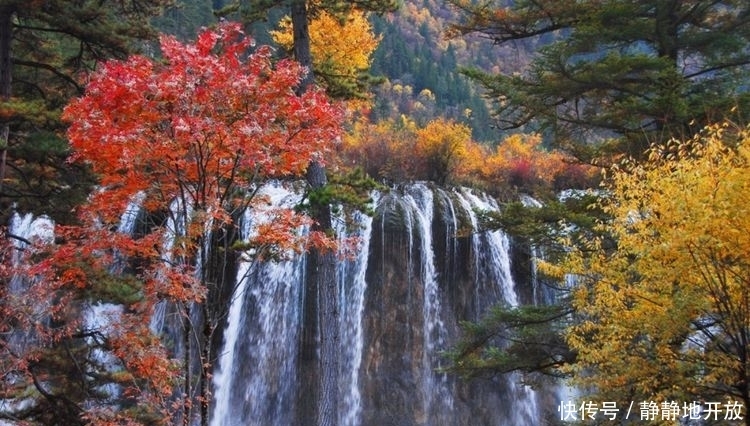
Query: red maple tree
(189, 139)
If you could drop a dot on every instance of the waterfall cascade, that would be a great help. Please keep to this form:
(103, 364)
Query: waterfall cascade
(24, 229)
(421, 268)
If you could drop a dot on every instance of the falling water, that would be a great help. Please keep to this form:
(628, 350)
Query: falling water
(27, 229)
(432, 243)
(255, 381)
(420, 200)
(165, 319)
(99, 318)
(352, 285)
(492, 249)
(391, 338)
(23, 230)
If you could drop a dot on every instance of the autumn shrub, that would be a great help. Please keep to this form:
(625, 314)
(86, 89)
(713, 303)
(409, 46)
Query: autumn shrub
(443, 152)
(468, 171)
(521, 164)
(384, 150)
(441, 149)
(575, 175)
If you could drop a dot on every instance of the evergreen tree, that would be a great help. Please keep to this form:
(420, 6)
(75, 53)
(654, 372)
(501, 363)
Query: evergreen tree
(622, 73)
(186, 18)
(45, 50)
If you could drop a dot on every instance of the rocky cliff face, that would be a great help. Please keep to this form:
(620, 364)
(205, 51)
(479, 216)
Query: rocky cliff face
(428, 270)
(423, 268)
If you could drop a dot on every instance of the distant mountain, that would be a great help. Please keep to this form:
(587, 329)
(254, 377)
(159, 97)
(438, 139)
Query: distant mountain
(416, 55)
(419, 64)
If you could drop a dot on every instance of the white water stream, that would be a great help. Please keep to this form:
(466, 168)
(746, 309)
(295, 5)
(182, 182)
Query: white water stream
(256, 383)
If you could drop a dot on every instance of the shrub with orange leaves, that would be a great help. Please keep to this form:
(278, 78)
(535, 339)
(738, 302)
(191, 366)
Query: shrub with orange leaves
(442, 151)
(385, 150)
(522, 163)
(442, 146)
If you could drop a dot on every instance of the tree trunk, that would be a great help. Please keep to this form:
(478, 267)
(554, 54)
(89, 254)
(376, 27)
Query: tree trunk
(301, 48)
(329, 345)
(307, 364)
(188, 383)
(206, 366)
(320, 280)
(318, 368)
(6, 68)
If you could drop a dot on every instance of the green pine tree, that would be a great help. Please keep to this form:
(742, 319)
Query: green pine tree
(46, 48)
(618, 74)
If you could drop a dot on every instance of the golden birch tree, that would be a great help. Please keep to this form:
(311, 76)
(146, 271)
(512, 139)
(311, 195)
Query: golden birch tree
(341, 48)
(663, 303)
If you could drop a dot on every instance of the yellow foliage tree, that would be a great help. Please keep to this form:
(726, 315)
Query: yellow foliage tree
(664, 300)
(444, 146)
(385, 150)
(341, 48)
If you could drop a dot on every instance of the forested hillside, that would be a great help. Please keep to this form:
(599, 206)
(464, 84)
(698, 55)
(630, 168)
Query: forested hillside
(421, 67)
(421, 57)
(417, 61)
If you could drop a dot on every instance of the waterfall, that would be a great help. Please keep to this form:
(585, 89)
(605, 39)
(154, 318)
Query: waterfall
(421, 266)
(27, 230)
(24, 229)
(420, 202)
(255, 379)
(255, 383)
(400, 304)
(493, 248)
(352, 285)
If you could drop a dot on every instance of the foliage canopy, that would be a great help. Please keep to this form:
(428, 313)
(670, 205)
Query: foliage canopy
(620, 74)
(663, 315)
(186, 142)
